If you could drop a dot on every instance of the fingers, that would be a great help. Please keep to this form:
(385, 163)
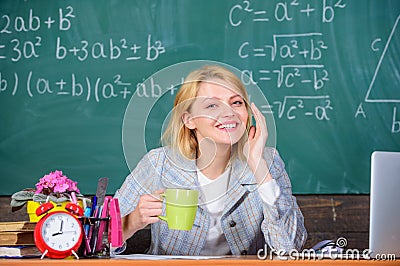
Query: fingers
(150, 201)
(261, 123)
(149, 207)
(252, 132)
(258, 116)
(147, 210)
(158, 193)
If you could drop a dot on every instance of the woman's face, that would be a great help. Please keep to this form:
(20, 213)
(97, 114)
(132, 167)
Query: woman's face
(218, 113)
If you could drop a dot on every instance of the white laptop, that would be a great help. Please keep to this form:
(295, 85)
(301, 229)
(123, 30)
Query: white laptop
(384, 228)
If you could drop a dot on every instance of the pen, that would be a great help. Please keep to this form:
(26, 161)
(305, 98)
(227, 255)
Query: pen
(87, 214)
(93, 231)
(87, 245)
(86, 228)
(94, 204)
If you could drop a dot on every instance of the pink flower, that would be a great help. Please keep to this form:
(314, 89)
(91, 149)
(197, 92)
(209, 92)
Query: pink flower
(73, 186)
(47, 181)
(61, 187)
(56, 182)
(39, 188)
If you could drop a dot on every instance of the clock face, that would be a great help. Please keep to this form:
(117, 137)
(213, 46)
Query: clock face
(61, 231)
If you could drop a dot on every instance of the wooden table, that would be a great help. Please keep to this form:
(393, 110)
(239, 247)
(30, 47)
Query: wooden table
(243, 260)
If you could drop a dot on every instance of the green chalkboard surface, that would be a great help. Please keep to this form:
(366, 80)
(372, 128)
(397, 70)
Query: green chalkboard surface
(330, 70)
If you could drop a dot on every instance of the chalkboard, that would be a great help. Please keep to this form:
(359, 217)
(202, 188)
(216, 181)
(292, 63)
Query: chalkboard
(330, 70)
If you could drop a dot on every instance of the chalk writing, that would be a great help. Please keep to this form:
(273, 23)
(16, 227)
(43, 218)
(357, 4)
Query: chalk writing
(79, 86)
(20, 48)
(288, 75)
(291, 106)
(285, 51)
(88, 88)
(33, 23)
(379, 65)
(110, 49)
(394, 96)
(395, 121)
(284, 11)
(294, 46)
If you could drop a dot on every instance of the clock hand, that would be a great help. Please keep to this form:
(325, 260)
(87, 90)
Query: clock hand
(61, 226)
(60, 232)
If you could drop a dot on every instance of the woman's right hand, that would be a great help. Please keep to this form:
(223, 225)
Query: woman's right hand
(147, 210)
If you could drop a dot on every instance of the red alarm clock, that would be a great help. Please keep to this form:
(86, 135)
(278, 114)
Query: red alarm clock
(58, 234)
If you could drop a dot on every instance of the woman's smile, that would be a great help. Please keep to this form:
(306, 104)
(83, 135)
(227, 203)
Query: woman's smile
(228, 126)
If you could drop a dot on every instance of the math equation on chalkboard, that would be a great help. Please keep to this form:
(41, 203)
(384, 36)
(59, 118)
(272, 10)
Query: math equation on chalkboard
(290, 49)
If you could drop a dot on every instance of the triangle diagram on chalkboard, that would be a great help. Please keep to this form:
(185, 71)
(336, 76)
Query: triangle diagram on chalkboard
(385, 83)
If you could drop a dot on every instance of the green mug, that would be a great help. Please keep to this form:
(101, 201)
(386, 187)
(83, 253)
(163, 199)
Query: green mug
(181, 208)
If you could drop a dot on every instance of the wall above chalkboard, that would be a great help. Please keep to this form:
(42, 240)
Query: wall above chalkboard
(330, 70)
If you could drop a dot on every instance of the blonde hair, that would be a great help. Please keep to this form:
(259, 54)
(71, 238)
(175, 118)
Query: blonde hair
(183, 139)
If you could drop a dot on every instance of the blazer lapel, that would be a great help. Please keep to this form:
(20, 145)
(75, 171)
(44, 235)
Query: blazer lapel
(241, 182)
(178, 171)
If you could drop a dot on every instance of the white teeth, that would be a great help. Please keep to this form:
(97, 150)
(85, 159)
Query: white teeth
(228, 126)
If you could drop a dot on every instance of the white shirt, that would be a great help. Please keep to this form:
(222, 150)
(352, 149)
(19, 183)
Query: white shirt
(214, 192)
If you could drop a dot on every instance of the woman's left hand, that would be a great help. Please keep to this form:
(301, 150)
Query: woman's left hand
(254, 147)
(257, 138)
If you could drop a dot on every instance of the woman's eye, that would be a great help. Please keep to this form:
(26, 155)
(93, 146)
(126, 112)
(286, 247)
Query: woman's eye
(238, 103)
(211, 106)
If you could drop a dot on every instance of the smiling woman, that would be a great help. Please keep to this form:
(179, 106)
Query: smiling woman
(207, 93)
(218, 115)
(218, 119)
(210, 145)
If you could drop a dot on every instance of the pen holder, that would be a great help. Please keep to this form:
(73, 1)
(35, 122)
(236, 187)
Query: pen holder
(95, 242)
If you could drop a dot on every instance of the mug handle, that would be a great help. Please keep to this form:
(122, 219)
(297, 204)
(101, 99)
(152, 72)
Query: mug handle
(163, 218)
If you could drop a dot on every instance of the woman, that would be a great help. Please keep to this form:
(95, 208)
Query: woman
(210, 145)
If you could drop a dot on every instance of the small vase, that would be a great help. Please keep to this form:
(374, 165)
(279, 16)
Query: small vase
(31, 207)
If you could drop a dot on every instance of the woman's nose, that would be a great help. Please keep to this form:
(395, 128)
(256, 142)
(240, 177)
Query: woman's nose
(226, 110)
